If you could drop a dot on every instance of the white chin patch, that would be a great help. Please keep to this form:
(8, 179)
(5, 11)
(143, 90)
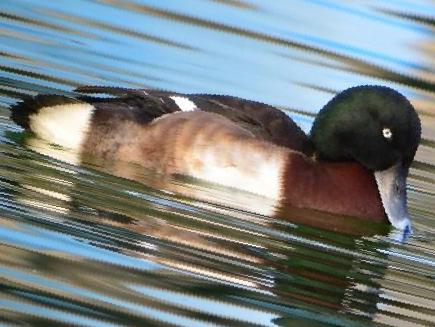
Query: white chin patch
(65, 125)
(184, 103)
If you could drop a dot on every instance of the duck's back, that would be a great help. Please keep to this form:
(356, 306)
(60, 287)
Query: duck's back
(265, 122)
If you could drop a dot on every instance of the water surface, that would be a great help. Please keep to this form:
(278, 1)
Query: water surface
(111, 244)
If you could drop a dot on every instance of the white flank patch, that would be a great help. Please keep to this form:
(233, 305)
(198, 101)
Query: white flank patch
(265, 181)
(65, 125)
(184, 103)
(256, 172)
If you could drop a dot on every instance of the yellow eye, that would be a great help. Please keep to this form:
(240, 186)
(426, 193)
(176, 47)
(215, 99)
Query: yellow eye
(386, 132)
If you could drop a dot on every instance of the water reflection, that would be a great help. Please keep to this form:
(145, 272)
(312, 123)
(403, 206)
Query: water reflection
(106, 243)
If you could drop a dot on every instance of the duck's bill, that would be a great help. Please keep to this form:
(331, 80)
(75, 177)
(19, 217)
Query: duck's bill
(392, 188)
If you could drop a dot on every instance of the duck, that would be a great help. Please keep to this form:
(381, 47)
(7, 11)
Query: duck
(353, 162)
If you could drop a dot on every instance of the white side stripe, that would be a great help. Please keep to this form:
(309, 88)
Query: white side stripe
(184, 103)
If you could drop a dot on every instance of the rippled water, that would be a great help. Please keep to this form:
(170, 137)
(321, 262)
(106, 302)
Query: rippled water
(111, 244)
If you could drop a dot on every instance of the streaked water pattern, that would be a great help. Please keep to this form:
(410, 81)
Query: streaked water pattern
(104, 244)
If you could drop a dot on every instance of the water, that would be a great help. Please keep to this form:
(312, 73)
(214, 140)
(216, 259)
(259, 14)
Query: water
(110, 244)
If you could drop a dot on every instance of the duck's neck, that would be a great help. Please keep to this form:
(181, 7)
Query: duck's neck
(341, 188)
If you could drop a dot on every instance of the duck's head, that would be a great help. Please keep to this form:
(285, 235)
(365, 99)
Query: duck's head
(379, 128)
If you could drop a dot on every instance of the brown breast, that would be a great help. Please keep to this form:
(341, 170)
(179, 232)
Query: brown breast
(340, 188)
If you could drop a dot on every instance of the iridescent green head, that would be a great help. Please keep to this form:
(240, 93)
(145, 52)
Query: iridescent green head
(377, 127)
